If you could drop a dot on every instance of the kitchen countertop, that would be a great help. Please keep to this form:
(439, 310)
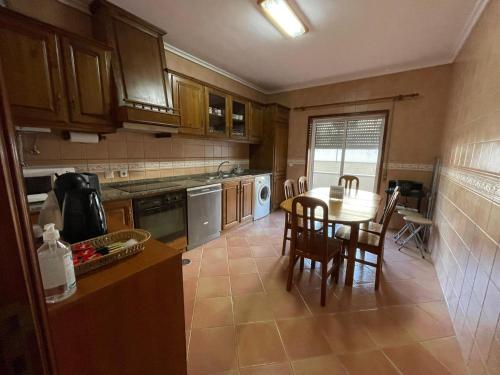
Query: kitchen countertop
(111, 191)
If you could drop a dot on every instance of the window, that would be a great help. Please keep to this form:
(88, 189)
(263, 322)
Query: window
(346, 145)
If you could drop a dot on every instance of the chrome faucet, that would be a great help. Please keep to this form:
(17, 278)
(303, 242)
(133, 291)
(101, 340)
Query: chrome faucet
(219, 173)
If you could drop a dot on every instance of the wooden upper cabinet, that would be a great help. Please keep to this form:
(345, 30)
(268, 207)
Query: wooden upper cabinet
(139, 65)
(239, 118)
(218, 112)
(246, 199)
(87, 77)
(32, 71)
(189, 98)
(256, 123)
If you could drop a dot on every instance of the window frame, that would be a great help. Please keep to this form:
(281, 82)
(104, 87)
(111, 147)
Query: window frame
(382, 156)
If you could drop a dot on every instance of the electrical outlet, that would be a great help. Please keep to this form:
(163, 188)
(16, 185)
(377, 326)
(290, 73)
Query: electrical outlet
(109, 175)
(123, 172)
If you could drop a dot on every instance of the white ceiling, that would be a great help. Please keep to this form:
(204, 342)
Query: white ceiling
(348, 39)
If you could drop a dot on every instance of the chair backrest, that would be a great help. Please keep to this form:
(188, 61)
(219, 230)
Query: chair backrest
(302, 184)
(393, 197)
(347, 181)
(289, 189)
(389, 211)
(305, 235)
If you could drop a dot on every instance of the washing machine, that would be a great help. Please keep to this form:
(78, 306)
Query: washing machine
(262, 198)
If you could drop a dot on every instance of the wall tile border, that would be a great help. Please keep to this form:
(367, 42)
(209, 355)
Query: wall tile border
(485, 185)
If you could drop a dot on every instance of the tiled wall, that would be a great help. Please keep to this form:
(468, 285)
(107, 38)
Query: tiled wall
(142, 155)
(466, 235)
(418, 120)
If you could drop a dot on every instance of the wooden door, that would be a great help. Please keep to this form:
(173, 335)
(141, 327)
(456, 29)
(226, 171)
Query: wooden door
(189, 98)
(230, 204)
(246, 200)
(33, 75)
(278, 194)
(256, 122)
(280, 148)
(119, 215)
(87, 75)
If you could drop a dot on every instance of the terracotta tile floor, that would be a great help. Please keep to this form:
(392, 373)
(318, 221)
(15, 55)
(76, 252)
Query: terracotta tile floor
(241, 320)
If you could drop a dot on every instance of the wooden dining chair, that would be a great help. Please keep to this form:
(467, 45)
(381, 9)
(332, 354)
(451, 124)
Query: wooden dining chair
(347, 181)
(308, 242)
(302, 184)
(374, 226)
(289, 188)
(370, 242)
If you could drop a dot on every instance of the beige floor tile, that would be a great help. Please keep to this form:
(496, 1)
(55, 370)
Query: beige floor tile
(246, 284)
(252, 308)
(262, 251)
(277, 369)
(239, 252)
(345, 333)
(303, 338)
(271, 264)
(259, 343)
(371, 362)
(414, 359)
(190, 288)
(274, 280)
(213, 312)
(219, 242)
(188, 312)
(237, 241)
(214, 268)
(447, 351)
(212, 350)
(214, 254)
(191, 270)
(287, 304)
(194, 254)
(241, 266)
(323, 365)
(214, 286)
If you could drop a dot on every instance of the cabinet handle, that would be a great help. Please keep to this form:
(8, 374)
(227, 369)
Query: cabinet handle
(58, 102)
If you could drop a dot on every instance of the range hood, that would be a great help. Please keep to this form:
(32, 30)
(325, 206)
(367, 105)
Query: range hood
(149, 121)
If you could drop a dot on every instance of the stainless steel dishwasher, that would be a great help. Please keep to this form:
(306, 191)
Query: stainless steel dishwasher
(204, 214)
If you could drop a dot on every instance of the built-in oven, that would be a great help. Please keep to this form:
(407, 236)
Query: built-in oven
(164, 216)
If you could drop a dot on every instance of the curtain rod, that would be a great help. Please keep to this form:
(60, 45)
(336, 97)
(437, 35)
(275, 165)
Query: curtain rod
(396, 98)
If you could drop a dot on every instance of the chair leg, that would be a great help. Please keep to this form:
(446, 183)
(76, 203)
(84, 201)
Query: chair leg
(313, 264)
(337, 269)
(302, 263)
(324, 277)
(378, 272)
(284, 236)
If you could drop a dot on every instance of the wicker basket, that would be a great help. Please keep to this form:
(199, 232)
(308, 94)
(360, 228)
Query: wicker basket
(123, 235)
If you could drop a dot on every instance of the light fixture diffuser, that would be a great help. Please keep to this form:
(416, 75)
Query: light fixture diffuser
(283, 16)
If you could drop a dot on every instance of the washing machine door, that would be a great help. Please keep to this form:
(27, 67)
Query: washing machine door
(264, 194)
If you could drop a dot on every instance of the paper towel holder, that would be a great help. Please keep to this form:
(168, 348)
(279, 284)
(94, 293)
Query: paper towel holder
(66, 136)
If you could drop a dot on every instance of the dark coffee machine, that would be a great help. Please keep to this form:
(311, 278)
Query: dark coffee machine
(79, 197)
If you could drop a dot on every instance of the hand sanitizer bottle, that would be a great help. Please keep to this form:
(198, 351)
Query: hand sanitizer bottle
(56, 266)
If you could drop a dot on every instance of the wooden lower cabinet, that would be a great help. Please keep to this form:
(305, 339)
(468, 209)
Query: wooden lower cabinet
(237, 202)
(278, 194)
(119, 215)
(230, 204)
(246, 200)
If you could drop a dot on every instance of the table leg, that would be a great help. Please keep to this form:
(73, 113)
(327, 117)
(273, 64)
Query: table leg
(351, 254)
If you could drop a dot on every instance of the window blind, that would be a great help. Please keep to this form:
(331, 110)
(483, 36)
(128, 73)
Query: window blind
(337, 133)
(364, 133)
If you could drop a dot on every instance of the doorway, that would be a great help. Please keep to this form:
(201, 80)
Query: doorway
(349, 144)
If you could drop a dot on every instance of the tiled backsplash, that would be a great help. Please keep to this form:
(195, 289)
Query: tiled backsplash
(142, 155)
(466, 233)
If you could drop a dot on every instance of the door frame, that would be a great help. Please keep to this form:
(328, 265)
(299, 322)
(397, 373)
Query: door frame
(385, 113)
(23, 253)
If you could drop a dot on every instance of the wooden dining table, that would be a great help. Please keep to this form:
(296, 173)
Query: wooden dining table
(357, 207)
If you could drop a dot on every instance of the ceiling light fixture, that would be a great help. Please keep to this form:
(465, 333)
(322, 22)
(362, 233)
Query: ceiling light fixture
(283, 16)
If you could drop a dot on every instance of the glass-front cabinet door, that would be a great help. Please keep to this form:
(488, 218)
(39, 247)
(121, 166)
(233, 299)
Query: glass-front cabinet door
(239, 118)
(218, 113)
